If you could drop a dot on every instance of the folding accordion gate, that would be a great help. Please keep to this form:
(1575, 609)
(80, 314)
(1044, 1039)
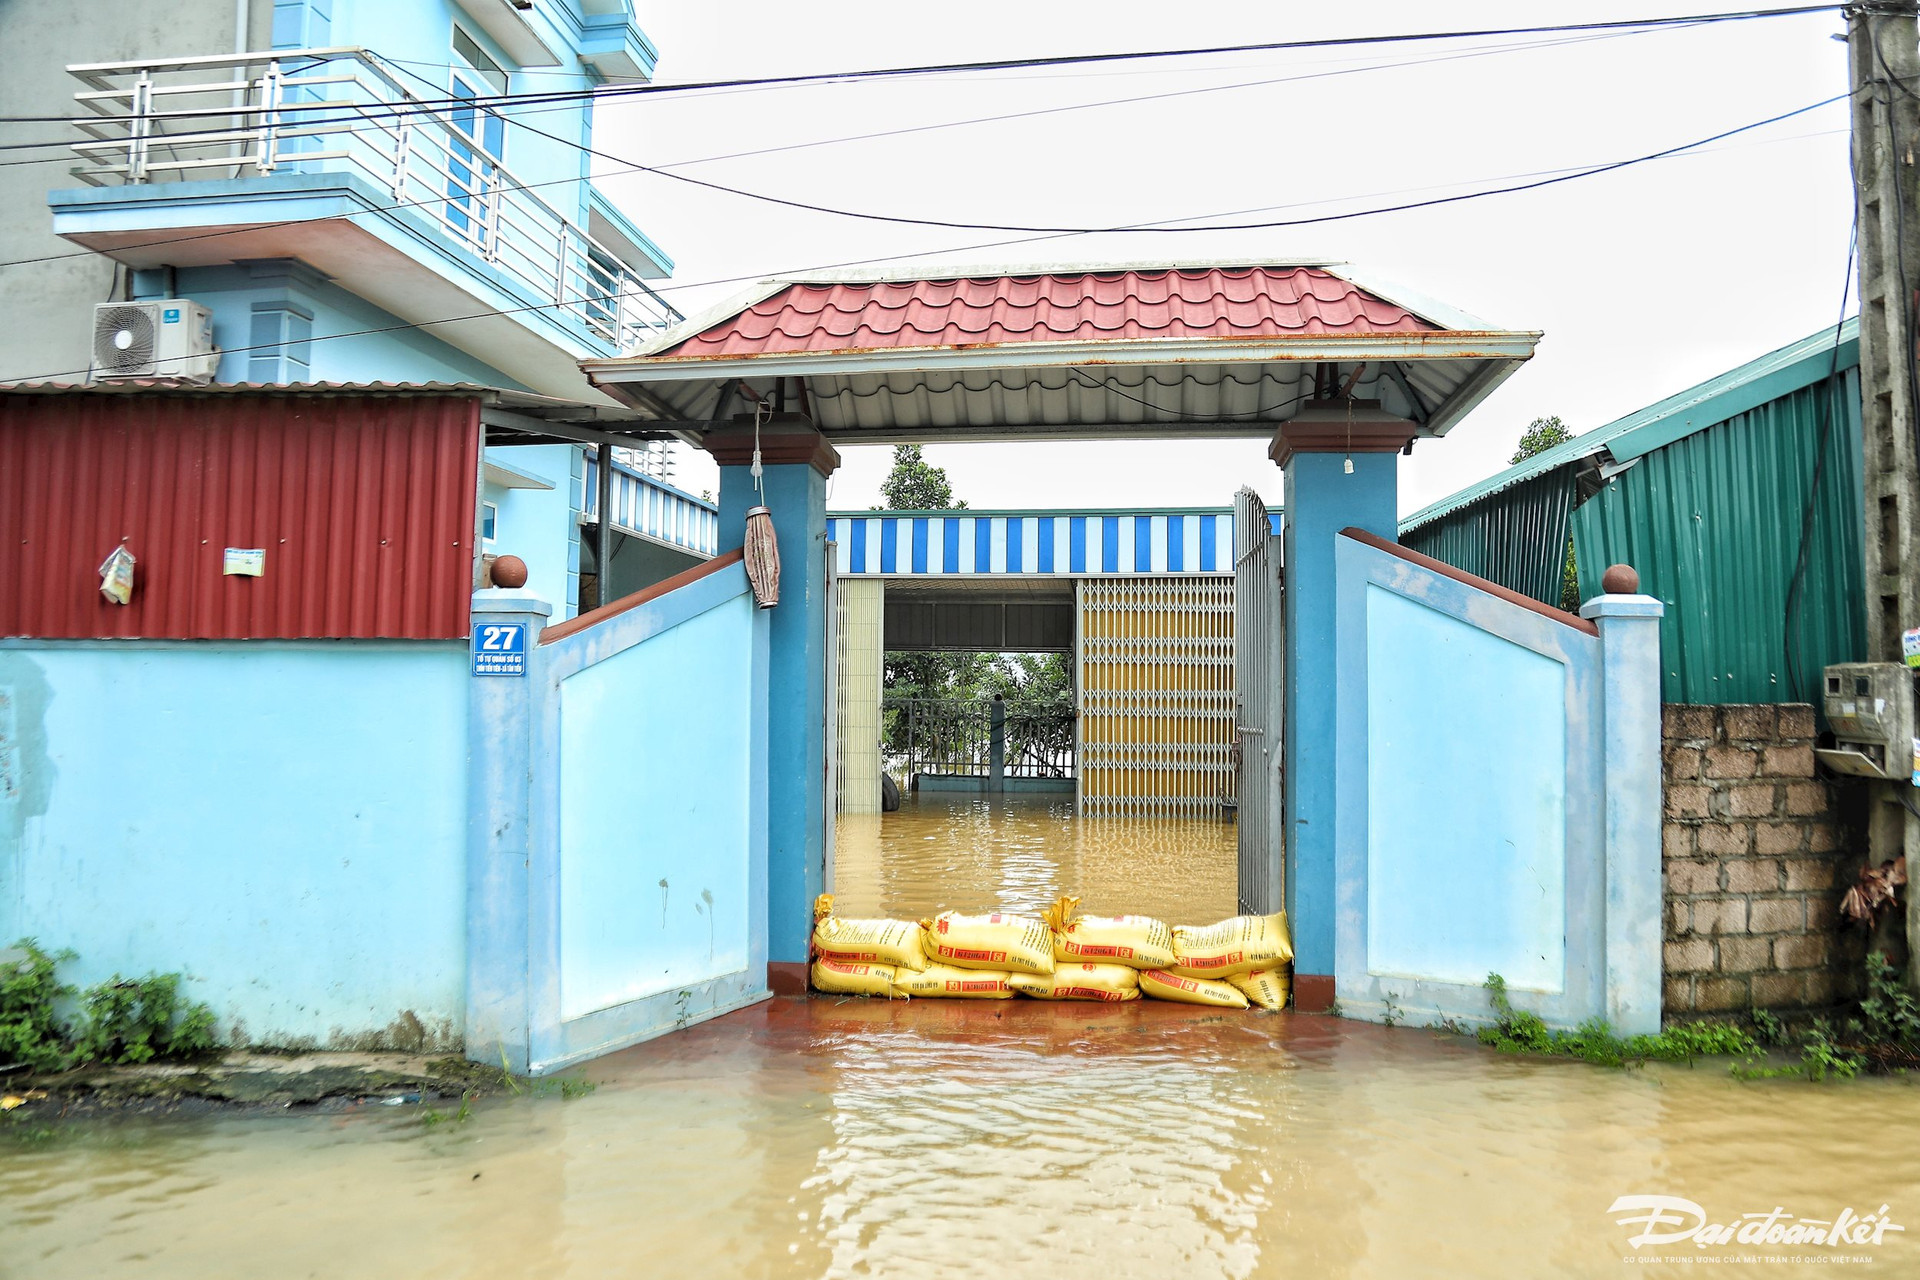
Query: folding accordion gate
(1154, 667)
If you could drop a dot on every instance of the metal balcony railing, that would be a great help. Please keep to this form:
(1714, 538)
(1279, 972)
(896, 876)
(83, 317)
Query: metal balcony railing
(340, 109)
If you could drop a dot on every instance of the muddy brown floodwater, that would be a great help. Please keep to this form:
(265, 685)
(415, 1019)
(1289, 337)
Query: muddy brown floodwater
(943, 853)
(825, 1137)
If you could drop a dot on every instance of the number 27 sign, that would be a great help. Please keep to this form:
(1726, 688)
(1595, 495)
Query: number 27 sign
(500, 649)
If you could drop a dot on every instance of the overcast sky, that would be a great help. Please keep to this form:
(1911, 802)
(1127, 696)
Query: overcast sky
(1644, 281)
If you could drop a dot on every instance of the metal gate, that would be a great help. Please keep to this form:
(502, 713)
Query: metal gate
(1154, 670)
(1257, 659)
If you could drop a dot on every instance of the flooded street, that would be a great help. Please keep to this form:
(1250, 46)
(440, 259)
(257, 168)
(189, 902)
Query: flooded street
(826, 1138)
(830, 1137)
(966, 853)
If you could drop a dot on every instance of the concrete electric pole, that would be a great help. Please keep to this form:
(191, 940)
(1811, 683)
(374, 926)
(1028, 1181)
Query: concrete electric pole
(1883, 47)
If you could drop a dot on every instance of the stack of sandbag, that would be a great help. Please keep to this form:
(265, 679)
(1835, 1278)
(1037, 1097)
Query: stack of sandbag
(1138, 942)
(1248, 959)
(862, 957)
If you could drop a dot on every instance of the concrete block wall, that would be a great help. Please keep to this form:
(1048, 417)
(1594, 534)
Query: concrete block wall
(1757, 852)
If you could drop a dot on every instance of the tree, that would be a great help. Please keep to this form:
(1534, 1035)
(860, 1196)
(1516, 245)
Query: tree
(915, 484)
(1541, 435)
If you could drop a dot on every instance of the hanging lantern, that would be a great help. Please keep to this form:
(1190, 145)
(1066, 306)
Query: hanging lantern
(762, 555)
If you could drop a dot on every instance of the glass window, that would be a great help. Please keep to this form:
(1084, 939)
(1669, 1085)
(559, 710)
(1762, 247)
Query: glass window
(489, 517)
(474, 56)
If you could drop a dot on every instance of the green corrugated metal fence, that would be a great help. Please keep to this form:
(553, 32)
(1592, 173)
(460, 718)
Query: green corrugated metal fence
(1712, 522)
(1517, 538)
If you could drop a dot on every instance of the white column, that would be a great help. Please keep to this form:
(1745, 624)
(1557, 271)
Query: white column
(1630, 737)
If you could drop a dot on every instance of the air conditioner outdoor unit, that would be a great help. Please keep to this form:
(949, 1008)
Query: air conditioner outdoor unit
(165, 338)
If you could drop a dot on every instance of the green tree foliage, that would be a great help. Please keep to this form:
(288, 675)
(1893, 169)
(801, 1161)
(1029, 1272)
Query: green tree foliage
(1037, 682)
(1541, 435)
(915, 484)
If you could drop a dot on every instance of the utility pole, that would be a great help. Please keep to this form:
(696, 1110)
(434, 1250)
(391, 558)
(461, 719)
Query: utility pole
(1883, 48)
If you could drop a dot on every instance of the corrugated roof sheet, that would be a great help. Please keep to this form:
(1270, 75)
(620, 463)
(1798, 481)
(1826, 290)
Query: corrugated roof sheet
(364, 506)
(528, 403)
(1734, 392)
(1212, 302)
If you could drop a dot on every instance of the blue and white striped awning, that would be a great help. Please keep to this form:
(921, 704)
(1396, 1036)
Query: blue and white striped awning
(1060, 543)
(649, 508)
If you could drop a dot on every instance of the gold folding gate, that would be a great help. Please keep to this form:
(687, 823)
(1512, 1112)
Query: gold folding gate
(1154, 669)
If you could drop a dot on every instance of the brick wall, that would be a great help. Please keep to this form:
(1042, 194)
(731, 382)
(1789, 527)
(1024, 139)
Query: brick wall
(1757, 855)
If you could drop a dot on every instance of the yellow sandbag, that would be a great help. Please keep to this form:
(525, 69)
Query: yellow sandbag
(1268, 988)
(1239, 945)
(1139, 941)
(1020, 944)
(1073, 980)
(943, 981)
(1162, 985)
(841, 978)
(894, 942)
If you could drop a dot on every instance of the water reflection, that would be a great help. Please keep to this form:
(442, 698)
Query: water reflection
(935, 1139)
(965, 853)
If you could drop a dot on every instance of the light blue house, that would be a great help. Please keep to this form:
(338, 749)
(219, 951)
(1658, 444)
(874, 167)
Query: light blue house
(360, 193)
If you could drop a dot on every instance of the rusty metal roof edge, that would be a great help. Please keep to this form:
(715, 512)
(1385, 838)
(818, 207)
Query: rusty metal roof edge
(1501, 345)
(531, 403)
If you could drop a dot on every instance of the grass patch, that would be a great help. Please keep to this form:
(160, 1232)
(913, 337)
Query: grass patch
(1594, 1041)
(1883, 1038)
(48, 1025)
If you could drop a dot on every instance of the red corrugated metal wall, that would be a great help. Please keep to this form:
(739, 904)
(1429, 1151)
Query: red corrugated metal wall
(363, 504)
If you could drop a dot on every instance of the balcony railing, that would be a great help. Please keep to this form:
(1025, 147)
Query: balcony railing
(334, 110)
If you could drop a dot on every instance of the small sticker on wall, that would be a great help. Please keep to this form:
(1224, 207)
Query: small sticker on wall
(1910, 646)
(245, 562)
(1916, 762)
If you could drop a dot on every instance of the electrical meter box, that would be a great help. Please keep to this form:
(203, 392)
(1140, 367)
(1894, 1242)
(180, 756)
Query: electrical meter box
(1869, 707)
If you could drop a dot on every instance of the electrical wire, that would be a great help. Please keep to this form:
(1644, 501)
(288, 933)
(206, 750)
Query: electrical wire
(952, 224)
(611, 296)
(1085, 59)
(177, 139)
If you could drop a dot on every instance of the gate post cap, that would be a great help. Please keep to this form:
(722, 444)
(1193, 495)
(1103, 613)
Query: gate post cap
(1620, 580)
(509, 572)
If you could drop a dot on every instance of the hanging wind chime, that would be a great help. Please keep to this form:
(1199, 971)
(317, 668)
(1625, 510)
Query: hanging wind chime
(761, 551)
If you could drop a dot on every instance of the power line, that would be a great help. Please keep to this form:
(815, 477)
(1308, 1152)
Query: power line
(632, 167)
(1084, 59)
(612, 296)
(951, 224)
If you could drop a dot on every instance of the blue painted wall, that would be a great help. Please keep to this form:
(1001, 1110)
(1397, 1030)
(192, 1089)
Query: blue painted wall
(1497, 801)
(633, 752)
(1466, 800)
(1321, 499)
(284, 823)
(655, 771)
(542, 526)
(391, 352)
(797, 714)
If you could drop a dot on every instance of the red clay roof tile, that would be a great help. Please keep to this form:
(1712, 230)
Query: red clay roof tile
(1122, 305)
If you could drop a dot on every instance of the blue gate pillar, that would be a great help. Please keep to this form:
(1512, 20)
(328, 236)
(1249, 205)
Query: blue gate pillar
(795, 463)
(1341, 472)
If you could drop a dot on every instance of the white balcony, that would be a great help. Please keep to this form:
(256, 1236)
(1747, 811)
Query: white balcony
(325, 155)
